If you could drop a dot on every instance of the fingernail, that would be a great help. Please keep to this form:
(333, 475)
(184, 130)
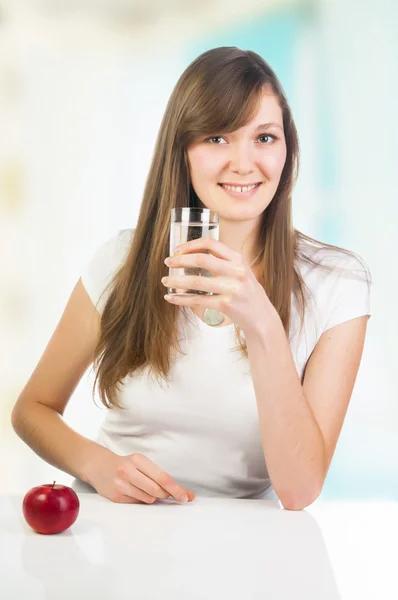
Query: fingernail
(184, 498)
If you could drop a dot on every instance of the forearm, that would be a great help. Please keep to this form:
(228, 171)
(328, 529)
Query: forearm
(292, 441)
(45, 431)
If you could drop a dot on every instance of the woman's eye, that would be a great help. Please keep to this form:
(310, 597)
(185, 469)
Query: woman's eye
(267, 135)
(217, 137)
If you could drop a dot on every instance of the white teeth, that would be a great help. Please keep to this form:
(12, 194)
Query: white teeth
(238, 188)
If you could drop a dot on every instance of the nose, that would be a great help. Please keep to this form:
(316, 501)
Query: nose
(241, 160)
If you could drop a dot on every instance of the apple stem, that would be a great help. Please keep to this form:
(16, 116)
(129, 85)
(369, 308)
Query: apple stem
(53, 485)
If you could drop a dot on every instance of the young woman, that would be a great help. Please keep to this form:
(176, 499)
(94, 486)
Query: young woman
(249, 404)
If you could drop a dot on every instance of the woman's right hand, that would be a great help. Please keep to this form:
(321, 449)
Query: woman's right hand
(135, 479)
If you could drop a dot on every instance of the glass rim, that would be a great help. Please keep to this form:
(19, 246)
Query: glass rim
(192, 208)
(196, 210)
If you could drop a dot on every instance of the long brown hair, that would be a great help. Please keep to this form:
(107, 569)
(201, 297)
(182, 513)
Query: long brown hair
(219, 91)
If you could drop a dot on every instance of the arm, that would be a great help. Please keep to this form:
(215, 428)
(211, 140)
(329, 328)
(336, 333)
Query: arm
(300, 424)
(37, 414)
(44, 430)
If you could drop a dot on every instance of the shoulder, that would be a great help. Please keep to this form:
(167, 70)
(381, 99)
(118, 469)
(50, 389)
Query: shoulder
(104, 263)
(109, 255)
(113, 247)
(122, 238)
(337, 283)
(322, 265)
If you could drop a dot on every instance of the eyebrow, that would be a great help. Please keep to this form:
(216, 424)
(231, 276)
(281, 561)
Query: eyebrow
(267, 126)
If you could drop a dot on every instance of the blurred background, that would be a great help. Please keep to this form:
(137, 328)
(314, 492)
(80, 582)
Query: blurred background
(83, 87)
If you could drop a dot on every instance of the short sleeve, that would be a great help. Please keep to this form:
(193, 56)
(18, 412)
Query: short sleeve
(103, 265)
(347, 293)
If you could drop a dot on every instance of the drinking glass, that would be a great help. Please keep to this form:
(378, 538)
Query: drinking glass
(191, 223)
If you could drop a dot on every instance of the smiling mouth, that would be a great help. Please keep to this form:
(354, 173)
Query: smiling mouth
(238, 189)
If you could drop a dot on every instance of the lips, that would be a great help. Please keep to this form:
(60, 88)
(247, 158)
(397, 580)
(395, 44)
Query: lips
(239, 184)
(239, 187)
(236, 194)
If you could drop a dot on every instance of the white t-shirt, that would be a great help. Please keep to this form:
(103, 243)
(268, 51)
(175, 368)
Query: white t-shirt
(202, 428)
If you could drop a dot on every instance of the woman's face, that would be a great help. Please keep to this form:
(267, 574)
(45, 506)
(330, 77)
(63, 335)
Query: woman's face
(253, 154)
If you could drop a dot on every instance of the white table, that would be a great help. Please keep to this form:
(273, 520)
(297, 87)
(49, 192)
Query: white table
(212, 548)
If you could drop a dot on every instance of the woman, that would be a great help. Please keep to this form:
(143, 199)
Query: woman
(186, 413)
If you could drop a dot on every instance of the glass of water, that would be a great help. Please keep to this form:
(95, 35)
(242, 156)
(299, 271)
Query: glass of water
(189, 223)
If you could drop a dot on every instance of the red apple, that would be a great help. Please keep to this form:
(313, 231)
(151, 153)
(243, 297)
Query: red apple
(50, 508)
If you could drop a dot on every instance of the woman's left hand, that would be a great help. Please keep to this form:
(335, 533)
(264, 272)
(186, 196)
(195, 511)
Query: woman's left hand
(238, 294)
